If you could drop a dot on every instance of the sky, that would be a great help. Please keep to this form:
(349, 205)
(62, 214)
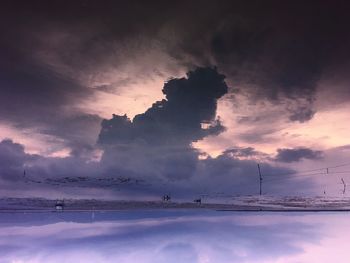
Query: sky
(109, 99)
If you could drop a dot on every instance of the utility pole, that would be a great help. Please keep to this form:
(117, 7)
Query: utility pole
(260, 179)
(344, 185)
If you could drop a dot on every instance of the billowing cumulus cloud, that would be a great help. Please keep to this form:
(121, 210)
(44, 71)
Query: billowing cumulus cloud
(297, 154)
(176, 120)
(160, 138)
(18, 165)
(153, 153)
(12, 160)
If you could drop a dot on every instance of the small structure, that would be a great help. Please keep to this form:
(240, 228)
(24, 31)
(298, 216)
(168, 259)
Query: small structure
(198, 201)
(166, 198)
(59, 206)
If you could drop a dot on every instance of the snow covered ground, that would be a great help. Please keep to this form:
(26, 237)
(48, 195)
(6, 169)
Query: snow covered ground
(254, 203)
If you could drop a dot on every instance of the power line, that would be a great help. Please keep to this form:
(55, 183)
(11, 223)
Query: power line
(340, 172)
(310, 170)
(300, 176)
(293, 177)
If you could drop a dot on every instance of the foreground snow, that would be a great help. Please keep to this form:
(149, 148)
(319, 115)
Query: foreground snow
(239, 203)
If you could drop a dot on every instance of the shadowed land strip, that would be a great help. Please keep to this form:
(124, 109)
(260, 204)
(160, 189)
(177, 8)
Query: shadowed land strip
(242, 203)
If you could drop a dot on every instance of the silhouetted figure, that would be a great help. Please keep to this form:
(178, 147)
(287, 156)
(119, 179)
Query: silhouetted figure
(198, 201)
(166, 198)
(59, 205)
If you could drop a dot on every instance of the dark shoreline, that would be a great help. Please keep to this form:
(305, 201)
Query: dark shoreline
(241, 204)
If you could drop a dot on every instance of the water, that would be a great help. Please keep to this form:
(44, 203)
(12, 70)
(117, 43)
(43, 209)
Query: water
(174, 236)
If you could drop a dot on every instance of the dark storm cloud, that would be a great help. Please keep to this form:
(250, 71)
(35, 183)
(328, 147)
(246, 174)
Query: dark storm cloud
(230, 174)
(83, 35)
(302, 113)
(272, 50)
(79, 131)
(244, 152)
(229, 164)
(176, 120)
(12, 160)
(297, 154)
(47, 50)
(34, 96)
(32, 93)
(153, 152)
(25, 174)
(22, 171)
(158, 173)
(156, 145)
(160, 138)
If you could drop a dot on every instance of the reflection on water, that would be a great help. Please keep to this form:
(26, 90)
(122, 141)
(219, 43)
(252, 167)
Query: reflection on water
(174, 236)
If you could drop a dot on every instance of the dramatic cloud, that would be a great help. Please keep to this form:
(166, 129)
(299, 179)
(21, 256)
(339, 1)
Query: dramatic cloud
(269, 54)
(297, 154)
(66, 67)
(35, 97)
(12, 159)
(153, 153)
(177, 119)
(158, 141)
(248, 152)
(262, 49)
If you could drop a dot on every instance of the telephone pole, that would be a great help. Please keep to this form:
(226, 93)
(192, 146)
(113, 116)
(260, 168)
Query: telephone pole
(260, 179)
(344, 185)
